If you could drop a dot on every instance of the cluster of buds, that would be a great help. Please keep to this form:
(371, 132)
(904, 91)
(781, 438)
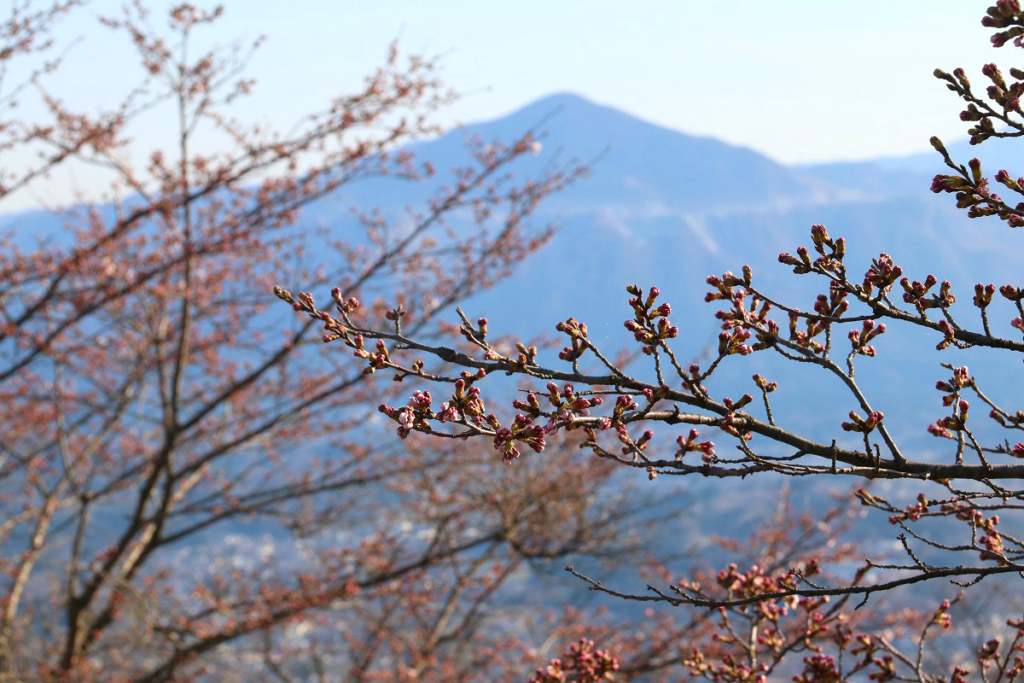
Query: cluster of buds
(304, 303)
(1005, 14)
(631, 446)
(831, 252)
(465, 403)
(566, 402)
(577, 332)
(1007, 420)
(885, 669)
(1016, 669)
(865, 647)
(623, 404)
(863, 425)
(806, 338)
(724, 285)
(522, 429)
(972, 192)
(860, 338)
(650, 326)
(991, 541)
(764, 385)
(739, 316)
(475, 335)
(912, 513)
(833, 305)
(983, 295)
(527, 355)
(757, 581)
(581, 663)
(881, 276)
(345, 306)
(378, 358)
(735, 342)
(689, 444)
(801, 262)
(692, 381)
(988, 654)
(766, 337)
(866, 498)
(942, 618)
(819, 668)
(336, 329)
(951, 388)
(916, 293)
(1011, 293)
(948, 335)
(730, 668)
(1006, 95)
(413, 416)
(1003, 176)
(756, 319)
(602, 424)
(472, 376)
(531, 406)
(956, 422)
(961, 85)
(655, 395)
(735, 406)
(736, 423)
(809, 614)
(989, 117)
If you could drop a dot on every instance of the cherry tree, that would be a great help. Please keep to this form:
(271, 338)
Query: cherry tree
(668, 417)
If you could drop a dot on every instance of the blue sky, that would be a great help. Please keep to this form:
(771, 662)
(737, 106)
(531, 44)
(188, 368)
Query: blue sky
(795, 79)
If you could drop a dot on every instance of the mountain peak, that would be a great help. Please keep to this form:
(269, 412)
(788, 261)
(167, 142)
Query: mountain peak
(654, 165)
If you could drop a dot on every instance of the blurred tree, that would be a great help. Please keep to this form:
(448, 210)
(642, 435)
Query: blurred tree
(182, 493)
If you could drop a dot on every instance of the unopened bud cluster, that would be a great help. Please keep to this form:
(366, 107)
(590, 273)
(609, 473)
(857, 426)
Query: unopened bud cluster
(650, 326)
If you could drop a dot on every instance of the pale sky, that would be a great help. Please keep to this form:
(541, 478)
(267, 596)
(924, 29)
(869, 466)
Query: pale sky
(798, 80)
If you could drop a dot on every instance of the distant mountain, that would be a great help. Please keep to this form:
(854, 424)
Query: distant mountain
(649, 169)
